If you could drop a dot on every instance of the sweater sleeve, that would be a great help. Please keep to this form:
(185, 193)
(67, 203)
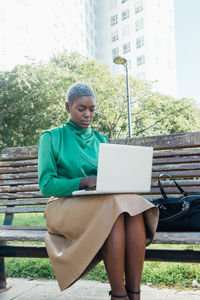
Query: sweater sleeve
(49, 183)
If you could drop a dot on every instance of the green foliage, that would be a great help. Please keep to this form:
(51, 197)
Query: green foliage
(32, 100)
(156, 273)
(29, 268)
(159, 114)
(170, 274)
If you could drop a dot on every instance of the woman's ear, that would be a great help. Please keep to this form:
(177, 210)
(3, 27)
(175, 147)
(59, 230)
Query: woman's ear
(67, 106)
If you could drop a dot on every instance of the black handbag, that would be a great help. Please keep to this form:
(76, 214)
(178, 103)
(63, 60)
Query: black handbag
(178, 214)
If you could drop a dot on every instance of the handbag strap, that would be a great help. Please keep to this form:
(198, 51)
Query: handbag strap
(162, 188)
(185, 208)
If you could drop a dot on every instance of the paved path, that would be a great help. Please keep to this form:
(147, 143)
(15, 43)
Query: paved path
(24, 289)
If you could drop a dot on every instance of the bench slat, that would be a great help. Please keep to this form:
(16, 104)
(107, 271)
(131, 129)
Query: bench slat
(20, 195)
(19, 181)
(25, 235)
(178, 174)
(22, 209)
(159, 167)
(176, 167)
(186, 182)
(157, 154)
(19, 163)
(154, 190)
(177, 238)
(15, 153)
(11, 227)
(159, 157)
(18, 170)
(173, 190)
(22, 188)
(176, 160)
(172, 141)
(19, 176)
(171, 153)
(160, 237)
(194, 182)
(34, 188)
(23, 202)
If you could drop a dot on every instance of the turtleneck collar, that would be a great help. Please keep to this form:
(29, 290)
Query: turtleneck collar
(81, 131)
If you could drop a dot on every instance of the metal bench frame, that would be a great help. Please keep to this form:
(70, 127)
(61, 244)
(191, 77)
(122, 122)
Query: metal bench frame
(178, 155)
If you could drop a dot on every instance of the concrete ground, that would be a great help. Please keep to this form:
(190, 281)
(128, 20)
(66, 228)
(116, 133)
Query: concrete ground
(23, 289)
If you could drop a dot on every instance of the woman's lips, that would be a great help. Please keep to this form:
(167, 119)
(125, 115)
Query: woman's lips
(86, 122)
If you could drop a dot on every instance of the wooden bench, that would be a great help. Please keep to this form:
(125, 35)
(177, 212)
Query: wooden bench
(178, 154)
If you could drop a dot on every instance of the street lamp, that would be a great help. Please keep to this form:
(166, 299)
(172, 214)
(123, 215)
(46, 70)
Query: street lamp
(123, 61)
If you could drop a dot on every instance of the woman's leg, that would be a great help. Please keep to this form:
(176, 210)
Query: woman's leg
(135, 244)
(113, 252)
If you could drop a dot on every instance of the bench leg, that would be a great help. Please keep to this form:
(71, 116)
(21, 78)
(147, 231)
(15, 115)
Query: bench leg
(8, 219)
(2, 274)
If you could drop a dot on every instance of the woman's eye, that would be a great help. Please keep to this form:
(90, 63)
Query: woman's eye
(80, 109)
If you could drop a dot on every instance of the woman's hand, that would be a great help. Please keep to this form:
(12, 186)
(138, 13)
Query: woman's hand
(88, 183)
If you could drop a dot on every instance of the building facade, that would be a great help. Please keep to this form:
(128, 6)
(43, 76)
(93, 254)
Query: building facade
(142, 31)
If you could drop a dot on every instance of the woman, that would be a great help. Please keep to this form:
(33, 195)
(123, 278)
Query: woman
(83, 230)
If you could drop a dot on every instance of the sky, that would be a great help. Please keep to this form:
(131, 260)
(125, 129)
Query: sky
(187, 35)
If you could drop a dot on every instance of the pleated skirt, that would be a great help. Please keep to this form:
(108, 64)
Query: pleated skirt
(78, 227)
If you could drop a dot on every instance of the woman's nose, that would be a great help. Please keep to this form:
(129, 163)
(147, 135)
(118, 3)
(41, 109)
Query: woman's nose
(87, 113)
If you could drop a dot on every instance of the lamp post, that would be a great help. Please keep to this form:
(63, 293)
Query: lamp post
(123, 61)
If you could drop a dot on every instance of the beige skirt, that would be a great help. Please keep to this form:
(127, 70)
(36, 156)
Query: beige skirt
(78, 227)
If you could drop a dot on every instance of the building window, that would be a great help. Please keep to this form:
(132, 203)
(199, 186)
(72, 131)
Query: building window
(126, 48)
(140, 60)
(114, 20)
(125, 14)
(113, 4)
(123, 1)
(115, 52)
(138, 6)
(140, 42)
(125, 30)
(139, 24)
(114, 36)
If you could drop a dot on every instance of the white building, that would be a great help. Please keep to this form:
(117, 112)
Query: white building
(142, 31)
(63, 24)
(15, 39)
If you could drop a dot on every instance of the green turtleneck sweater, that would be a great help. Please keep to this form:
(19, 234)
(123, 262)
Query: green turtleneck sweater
(67, 154)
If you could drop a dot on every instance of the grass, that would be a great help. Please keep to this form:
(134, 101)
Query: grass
(179, 275)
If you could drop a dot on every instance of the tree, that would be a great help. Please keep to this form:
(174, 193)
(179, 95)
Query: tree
(32, 100)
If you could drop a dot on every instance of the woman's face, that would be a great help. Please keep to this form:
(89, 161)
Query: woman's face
(81, 111)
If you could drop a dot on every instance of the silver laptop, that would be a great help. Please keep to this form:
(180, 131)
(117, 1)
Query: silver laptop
(122, 169)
